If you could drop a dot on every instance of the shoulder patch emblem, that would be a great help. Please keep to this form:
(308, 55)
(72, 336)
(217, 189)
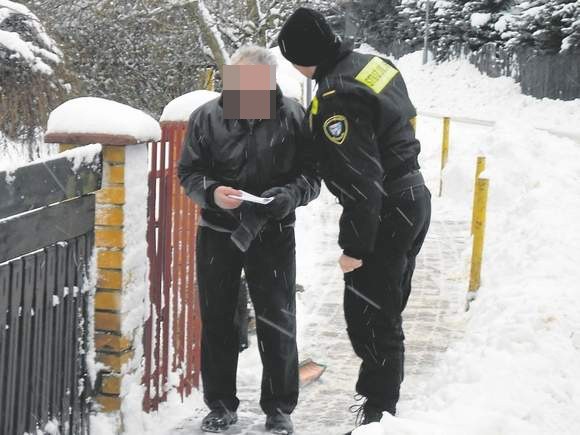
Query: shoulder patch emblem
(336, 129)
(377, 74)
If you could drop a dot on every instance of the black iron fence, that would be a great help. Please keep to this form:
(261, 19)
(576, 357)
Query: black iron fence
(47, 213)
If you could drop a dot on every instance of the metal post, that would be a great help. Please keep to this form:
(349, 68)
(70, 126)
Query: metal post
(426, 43)
(479, 168)
(481, 192)
(444, 150)
(209, 79)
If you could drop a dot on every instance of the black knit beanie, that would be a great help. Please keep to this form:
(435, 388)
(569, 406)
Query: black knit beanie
(306, 39)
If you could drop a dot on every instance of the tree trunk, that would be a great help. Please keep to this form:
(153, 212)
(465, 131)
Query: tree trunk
(208, 34)
(253, 15)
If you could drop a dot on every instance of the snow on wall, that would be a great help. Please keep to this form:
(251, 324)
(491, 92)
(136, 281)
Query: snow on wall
(93, 115)
(135, 296)
(78, 157)
(182, 107)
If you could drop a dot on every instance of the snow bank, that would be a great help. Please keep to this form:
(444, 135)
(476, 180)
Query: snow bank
(515, 369)
(90, 115)
(182, 107)
(458, 88)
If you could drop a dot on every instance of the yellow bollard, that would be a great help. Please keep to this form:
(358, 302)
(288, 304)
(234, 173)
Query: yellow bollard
(444, 150)
(479, 168)
(209, 82)
(481, 190)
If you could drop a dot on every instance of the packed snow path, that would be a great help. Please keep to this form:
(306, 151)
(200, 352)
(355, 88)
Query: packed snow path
(431, 323)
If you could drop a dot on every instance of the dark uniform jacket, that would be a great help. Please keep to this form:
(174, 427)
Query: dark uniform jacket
(252, 155)
(361, 120)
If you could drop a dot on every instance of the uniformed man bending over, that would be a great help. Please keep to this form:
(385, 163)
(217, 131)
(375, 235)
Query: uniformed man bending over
(362, 123)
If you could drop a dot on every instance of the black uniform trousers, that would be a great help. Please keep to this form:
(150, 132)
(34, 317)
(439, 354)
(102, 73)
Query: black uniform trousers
(270, 268)
(376, 295)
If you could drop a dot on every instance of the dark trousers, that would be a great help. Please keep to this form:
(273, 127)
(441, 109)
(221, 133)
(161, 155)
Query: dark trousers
(270, 268)
(376, 294)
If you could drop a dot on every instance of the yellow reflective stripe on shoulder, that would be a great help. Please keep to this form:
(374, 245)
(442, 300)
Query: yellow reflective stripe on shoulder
(314, 106)
(313, 111)
(377, 74)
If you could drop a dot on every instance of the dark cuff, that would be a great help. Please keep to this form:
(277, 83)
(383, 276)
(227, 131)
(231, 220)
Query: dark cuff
(209, 197)
(353, 253)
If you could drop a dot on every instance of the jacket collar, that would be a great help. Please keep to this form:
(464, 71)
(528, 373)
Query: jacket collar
(326, 67)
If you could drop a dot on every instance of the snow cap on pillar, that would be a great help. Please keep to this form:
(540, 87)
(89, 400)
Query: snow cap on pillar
(306, 39)
(87, 120)
(181, 108)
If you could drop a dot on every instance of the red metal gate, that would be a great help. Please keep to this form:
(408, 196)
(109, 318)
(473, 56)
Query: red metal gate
(173, 330)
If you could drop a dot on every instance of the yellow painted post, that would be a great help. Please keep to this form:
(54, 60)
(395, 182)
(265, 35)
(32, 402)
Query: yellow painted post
(444, 150)
(481, 189)
(209, 82)
(479, 168)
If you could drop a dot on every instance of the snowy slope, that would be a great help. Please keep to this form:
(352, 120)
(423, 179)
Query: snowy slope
(516, 369)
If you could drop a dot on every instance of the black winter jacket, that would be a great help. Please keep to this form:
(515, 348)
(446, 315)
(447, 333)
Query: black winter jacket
(252, 155)
(361, 122)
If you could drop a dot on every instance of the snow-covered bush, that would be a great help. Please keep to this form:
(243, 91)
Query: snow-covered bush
(549, 26)
(31, 67)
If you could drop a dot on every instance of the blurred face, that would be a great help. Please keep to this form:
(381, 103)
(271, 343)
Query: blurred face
(249, 91)
(306, 71)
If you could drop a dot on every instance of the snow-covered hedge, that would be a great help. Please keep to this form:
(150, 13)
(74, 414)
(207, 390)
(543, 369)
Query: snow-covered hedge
(33, 76)
(547, 25)
(23, 41)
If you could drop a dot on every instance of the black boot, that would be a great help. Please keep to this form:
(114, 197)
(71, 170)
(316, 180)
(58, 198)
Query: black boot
(365, 414)
(279, 424)
(218, 420)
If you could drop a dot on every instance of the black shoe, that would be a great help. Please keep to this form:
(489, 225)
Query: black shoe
(218, 420)
(279, 424)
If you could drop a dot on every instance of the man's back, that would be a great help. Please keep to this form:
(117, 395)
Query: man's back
(371, 87)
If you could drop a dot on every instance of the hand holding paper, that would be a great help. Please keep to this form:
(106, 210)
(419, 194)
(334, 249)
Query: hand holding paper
(222, 198)
(245, 196)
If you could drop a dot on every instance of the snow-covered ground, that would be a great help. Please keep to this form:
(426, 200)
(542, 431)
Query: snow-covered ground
(515, 371)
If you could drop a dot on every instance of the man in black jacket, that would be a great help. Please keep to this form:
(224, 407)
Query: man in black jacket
(268, 158)
(362, 124)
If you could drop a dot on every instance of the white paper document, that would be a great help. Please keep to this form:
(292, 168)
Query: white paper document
(252, 198)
